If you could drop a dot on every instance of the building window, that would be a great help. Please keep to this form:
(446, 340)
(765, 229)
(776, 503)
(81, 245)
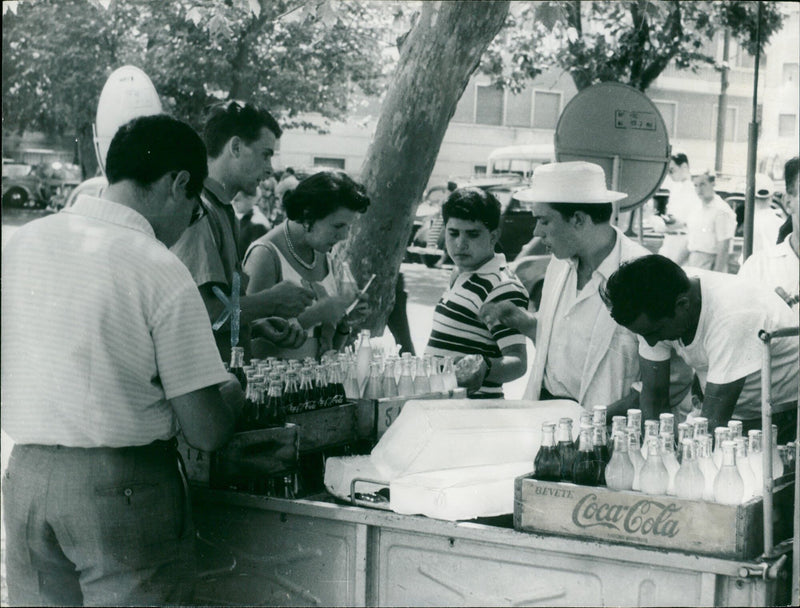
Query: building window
(331, 163)
(787, 124)
(730, 123)
(790, 73)
(489, 105)
(518, 109)
(669, 112)
(479, 169)
(546, 109)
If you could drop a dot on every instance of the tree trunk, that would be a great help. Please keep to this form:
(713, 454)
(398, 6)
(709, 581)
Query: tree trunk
(436, 61)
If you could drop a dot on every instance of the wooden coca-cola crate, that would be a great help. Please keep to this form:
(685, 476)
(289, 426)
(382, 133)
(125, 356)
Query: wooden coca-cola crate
(326, 427)
(733, 531)
(258, 454)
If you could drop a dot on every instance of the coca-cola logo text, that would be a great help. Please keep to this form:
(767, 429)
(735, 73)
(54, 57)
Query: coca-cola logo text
(645, 517)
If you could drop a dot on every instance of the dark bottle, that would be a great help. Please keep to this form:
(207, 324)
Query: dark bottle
(320, 387)
(335, 384)
(586, 467)
(306, 389)
(566, 448)
(275, 412)
(601, 451)
(237, 365)
(252, 396)
(546, 465)
(291, 394)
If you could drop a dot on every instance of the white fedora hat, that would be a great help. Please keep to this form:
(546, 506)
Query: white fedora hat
(572, 182)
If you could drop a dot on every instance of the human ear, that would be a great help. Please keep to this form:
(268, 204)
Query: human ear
(179, 184)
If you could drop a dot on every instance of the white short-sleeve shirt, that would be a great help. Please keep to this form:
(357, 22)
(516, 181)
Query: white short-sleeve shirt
(709, 224)
(726, 346)
(102, 325)
(776, 266)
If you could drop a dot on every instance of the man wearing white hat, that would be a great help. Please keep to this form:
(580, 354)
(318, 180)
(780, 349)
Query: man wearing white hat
(581, 353)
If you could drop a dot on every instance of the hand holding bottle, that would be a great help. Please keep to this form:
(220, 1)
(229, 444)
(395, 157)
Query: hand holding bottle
(470, 371)
(286, 333)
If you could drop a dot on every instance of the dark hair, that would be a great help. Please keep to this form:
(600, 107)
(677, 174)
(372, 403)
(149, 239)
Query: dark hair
(146, 148)
(709, 176)
(598, 213)
(474, 205)
(451, 186)
(323, 193)
(289, 170)
(790, 171)
(680, 159)
(236, 119)
(649, 285)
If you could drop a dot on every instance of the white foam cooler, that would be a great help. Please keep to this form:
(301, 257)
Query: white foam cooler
(482, 442)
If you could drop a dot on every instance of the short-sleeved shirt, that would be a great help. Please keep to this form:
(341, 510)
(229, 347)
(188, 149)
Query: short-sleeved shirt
(776, 266)
(102, 325)
(209, 249)
(457, 326)
(709, 224)
(726, 346)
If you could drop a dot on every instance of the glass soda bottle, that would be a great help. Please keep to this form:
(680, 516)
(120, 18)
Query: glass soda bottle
(705, 460)
(335, 387)
(363, 359)
(389, 384)
(249, 417)
(743, 466)
(237, 363)
(586, 466)
(405, 387)
(449, 379)
(650, 432)
(735, 427)
(600, 447)
(721, 435)
(585, 420)
(728, 486)
(667, 447)
(777, 461)
(684, 432)
(291, 394)
(755, 460)
(306, 390)
(422, 382)
(546, 465)
(689, 480)
(351, 389)
(566, 448)
(619, 471)
(437, 381)
(618, 424)
(635, 454)
(373, 389)
(320, 387)
(654, 478)
(273, 410)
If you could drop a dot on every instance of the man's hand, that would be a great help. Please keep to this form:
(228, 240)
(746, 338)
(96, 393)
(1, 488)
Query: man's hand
(286, 333)
(288, 299)
(510, 315)
(470, 372)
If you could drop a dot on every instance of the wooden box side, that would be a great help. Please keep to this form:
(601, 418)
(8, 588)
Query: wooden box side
(750, 522)
(326, 427)
(627, 517)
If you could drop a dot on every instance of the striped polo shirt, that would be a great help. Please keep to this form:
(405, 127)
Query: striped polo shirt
(101, 325)
(457, 326)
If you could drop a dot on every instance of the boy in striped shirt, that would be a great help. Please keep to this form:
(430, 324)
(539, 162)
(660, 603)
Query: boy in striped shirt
(486, 357)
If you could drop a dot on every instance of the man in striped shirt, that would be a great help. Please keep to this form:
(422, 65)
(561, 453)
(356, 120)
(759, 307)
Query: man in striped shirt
(471, 218)
(107, 353)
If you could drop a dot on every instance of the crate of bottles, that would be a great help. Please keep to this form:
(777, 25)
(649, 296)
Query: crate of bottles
(643, 493)
(667, 522)
(248, 457)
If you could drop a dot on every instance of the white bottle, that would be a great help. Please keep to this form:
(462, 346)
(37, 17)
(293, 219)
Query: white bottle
(707, 466)
(650, 432)
(654, 477)
(689, 480)
(636, 458)
(728, 486)
(620, 470)
(422, 382)
(449, 375)
(743, 466)
(363, 359)
(755, 460)
(667, 448)
(721, 434)
(777, 461)
(437, 382)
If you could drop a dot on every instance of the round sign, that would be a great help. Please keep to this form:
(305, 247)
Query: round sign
(620, 129)
(128, 93)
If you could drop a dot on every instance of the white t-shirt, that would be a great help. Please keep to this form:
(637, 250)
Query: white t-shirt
(776, 266)
(709, 224)
(726, 346)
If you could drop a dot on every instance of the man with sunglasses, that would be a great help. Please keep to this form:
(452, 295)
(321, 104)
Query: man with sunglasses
(107, 352)
(241, 140)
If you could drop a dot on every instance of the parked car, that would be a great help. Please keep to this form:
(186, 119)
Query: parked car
(23, 186)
